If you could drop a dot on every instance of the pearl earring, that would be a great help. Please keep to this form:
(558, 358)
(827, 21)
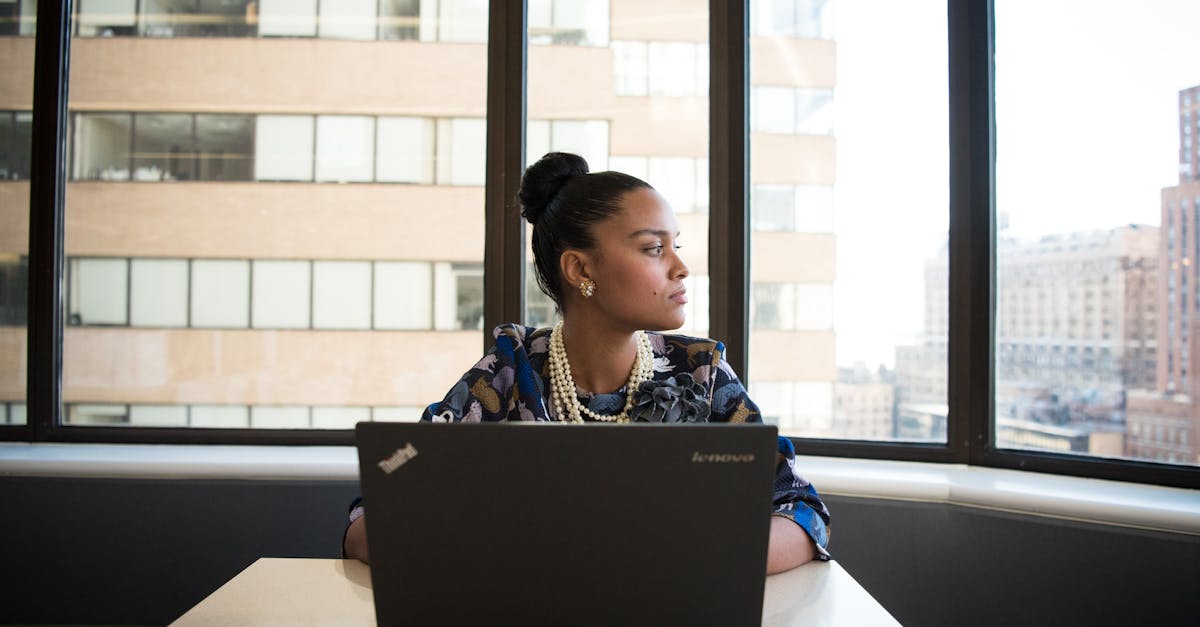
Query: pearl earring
(587, 288)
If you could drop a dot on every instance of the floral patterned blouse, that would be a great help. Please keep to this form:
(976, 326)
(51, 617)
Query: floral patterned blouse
(511, 383)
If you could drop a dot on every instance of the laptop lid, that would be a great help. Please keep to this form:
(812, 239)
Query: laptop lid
(507, 523)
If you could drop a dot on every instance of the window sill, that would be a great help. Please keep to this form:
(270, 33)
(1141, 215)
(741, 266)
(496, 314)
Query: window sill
(1027, 493)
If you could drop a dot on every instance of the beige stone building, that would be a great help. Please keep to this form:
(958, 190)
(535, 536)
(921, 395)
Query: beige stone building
(274, 210)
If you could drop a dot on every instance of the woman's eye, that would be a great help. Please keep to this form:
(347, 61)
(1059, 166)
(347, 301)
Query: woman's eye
(655, 250)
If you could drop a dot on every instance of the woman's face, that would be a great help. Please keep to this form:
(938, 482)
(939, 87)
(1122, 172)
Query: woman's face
(636, 265)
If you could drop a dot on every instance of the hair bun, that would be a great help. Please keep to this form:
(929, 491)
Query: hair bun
(543, 180)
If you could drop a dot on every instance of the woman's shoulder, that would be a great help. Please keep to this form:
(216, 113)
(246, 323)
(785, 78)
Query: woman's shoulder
(697, 350)
(512, 336)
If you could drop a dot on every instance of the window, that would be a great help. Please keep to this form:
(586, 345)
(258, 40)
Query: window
(280, 294)
(342, 294)
(792, 110)
(460, 157)
(283, 148)
(844, 219)
(220, 293)
(158, 292)
(345, 148)
(568, 23)
(287, 18)
(265, 220)
(1098, 405)
(458, 296)
(227, 18)
(98, 291)
(403, 295)
(801, 19)
(18, 18)
(16, 129)
(404, 150)
(587, 138)
(660, 68)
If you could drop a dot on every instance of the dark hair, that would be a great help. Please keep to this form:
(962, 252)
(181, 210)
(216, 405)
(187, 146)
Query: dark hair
(563, 201)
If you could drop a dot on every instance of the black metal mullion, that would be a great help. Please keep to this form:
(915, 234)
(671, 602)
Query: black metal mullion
(504, 238)
(728, 175)
(970, 357)
(47, 191)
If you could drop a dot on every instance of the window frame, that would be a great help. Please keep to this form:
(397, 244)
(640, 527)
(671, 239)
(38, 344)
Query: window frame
(972, 280)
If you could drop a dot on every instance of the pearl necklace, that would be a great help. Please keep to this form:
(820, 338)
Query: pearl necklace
(562, 384)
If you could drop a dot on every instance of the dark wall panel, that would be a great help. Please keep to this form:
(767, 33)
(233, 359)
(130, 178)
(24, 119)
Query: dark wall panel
(145, 551)
(104, 551)
(932, 564)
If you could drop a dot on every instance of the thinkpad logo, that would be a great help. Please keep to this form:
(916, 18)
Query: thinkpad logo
(398, 459)
(721, 458)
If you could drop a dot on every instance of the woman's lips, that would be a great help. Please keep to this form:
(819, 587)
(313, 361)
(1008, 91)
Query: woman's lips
(680, 297)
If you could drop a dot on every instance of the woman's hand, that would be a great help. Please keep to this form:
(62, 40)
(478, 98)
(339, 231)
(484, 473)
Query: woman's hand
(355, 544)
(788, 547)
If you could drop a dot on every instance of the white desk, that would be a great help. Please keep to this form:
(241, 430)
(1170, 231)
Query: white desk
(280, 591)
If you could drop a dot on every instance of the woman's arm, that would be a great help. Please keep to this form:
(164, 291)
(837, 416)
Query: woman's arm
(354, 545)
(789, 546)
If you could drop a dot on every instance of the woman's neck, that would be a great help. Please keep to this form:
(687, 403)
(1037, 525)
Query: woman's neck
(601, 357)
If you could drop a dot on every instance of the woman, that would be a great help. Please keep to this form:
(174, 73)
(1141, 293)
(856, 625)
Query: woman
(605, 247)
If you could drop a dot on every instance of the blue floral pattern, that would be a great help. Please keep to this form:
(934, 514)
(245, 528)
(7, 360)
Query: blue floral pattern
(511, 383)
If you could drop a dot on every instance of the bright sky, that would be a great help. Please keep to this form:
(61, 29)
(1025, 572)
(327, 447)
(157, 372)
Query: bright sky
(1087, 136)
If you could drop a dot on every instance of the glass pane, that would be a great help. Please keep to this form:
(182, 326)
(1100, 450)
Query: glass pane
(345, 148)
(259, 193)
(848, 208)
(1097, 299)
(342, 294)
(17, 20)
(280, 295)
(625, 85)
(158, 293)
(220, 293)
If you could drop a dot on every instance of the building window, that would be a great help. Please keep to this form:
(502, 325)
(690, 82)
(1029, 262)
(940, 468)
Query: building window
(14, 290)
(18, 18)
(800, 208)
(97, 291)
(791, 110)
(403, 295)
(283, 148)
(220, 293)
(587, 138)
(16, 144)
(804, 19)
(683, 181)
(400, 19)
(458, 296)
(792, 306)
(660, 68)
(341, 295)
(345, 148)
(404, 150)
(568, 22)
(158, 292)
(347, 19)
(280, 294)
(461, 158)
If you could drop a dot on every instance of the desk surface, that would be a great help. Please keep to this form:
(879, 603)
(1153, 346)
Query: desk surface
(282, 591)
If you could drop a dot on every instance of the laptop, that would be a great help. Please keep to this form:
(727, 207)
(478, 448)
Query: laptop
(552, 524)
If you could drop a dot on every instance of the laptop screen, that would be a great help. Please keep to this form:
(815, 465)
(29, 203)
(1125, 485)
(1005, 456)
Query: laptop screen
(567, 524)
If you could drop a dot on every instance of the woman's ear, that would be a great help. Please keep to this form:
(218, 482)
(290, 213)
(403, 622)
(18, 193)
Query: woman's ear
(575, 268)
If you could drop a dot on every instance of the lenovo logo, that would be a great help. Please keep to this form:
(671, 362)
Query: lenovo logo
(398, 459)
(721, 458)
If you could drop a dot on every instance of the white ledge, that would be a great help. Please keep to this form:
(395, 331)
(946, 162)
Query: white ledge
(1027, 493)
